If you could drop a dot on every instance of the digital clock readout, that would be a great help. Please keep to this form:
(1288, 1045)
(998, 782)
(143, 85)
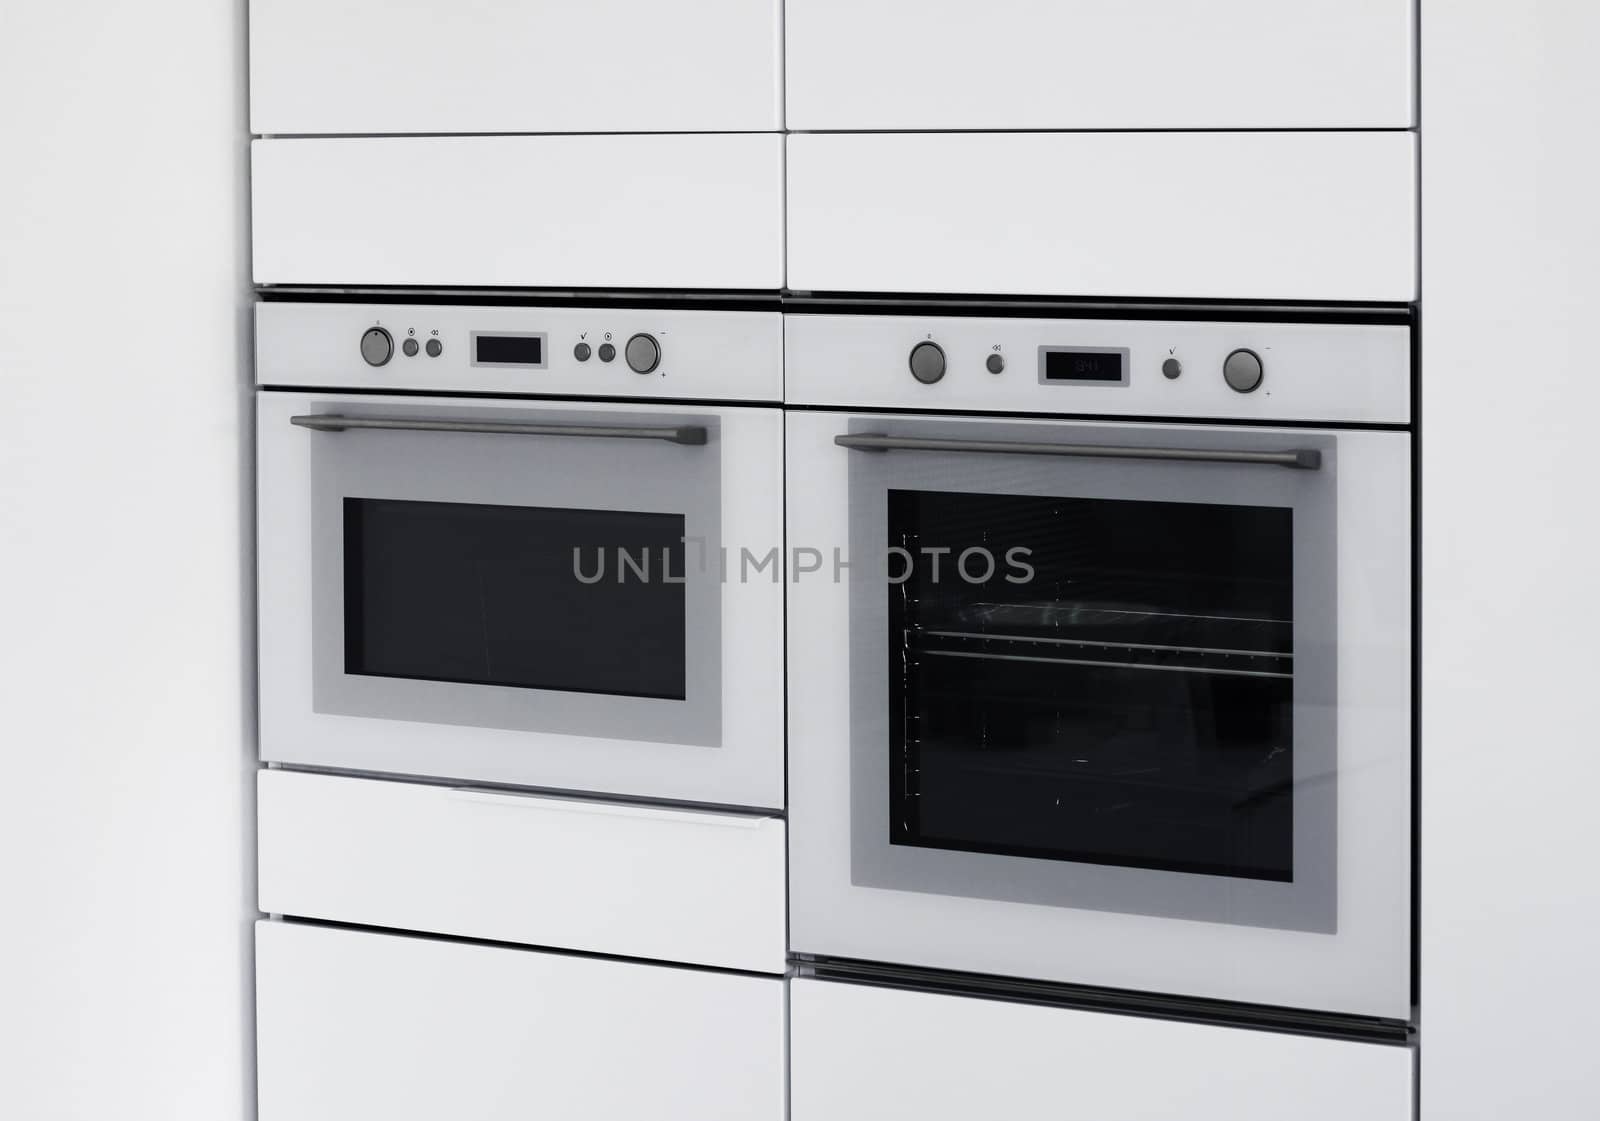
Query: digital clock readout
(1095, 367)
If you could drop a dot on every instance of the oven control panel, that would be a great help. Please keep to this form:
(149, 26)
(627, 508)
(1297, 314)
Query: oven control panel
(558, 351)
(1338, 372)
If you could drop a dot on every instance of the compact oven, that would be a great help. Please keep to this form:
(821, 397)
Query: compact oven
(491, 551)
(1110, 701)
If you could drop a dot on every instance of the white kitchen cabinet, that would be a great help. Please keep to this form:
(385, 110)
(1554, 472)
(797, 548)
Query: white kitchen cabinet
(630, 880)
(352, 1024)
(869, 1054)
(421, 66)
(520, 211)
(1093, 64)
(1253, 215)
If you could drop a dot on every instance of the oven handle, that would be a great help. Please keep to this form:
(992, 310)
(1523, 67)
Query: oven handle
(334, 422)
(1309, 459)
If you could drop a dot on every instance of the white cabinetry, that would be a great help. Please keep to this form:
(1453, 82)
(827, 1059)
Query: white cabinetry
(631, 880)
(1244, 215)
(702, 211)
(1094, 64)
(358, 1025)
(429, 66)
(865, 1054)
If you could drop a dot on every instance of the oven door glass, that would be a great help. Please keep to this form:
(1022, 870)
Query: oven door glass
(1103, 683)
(554, 581)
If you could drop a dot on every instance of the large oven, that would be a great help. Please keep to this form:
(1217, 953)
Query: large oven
(1100, 653)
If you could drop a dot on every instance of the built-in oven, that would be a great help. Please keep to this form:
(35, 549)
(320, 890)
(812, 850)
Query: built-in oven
(1105, 701)
(491, 551)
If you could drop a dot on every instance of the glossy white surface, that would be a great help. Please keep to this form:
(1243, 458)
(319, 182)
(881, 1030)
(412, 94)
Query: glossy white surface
(1362, 968)
(520, 211)
(746, 769)
(719, 355)
(1085, 64)
(1338, 373)
(353, 1024)
(125, 807)
(630, 880)
(1258, 215)
(860, 1054)
(370, 66)
(1510, 554)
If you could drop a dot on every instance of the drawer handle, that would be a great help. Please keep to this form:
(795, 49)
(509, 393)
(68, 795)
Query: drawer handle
(333, 422)
(1307, 459)
(605, 809)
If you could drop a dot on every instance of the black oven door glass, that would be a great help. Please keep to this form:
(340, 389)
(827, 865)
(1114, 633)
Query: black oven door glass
(586, 601)
(1093, 680)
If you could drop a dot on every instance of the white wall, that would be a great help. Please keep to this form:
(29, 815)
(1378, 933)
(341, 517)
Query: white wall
(1511, 570)
(123, 748)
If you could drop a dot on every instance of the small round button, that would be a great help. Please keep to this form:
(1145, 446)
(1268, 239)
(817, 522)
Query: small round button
(581, 352)
(607, 352)
(927, 362)
(434, 348)
(1242, 370)
(643, 354)
(994, 363)
(377, 346)
(1171, 369)
(410, 348)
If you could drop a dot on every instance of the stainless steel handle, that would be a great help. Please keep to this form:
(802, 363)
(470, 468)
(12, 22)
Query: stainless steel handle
(519, 800)
(1308, 459)
(673, 434)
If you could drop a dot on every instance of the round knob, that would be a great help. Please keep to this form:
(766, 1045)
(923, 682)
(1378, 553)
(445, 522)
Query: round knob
(995, 363)
(377, 346)
(927, 362)
(1243, 370)
(643, 354)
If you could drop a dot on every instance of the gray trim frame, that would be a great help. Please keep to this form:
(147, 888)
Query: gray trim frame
(652, 476)
(1310, 901)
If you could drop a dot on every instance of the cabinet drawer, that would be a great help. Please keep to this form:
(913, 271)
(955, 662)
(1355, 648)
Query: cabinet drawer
(635, 881)
(418, 66)
(520, 211)
(860, 1053)
(357, 1025)
(1262, 215)
(1088, 64)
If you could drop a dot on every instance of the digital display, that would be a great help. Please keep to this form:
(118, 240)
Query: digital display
(508, 350)
(1099, 367)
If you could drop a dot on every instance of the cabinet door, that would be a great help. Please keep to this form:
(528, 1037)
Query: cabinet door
(1085, 64)
(520, 211)
(862, 1054)
(1319, 216)
(352, 1024)
(418, 66)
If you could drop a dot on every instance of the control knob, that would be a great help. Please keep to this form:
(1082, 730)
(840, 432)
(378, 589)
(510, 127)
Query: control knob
(1242, 370)
(927, 362)
(643, 353)
(377, 346)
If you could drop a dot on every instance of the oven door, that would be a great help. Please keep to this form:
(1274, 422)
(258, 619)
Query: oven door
(521, 593)
(1120, 705)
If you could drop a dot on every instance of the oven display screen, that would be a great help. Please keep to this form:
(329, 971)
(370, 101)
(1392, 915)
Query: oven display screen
(508, 350)
(1098, 367)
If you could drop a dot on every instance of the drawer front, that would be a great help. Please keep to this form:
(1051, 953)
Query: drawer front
(1087, 64)
(1275, 216)
(635, 881)
(859, 1054)
(520, 211)
(419, 66)
(357, 1025)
